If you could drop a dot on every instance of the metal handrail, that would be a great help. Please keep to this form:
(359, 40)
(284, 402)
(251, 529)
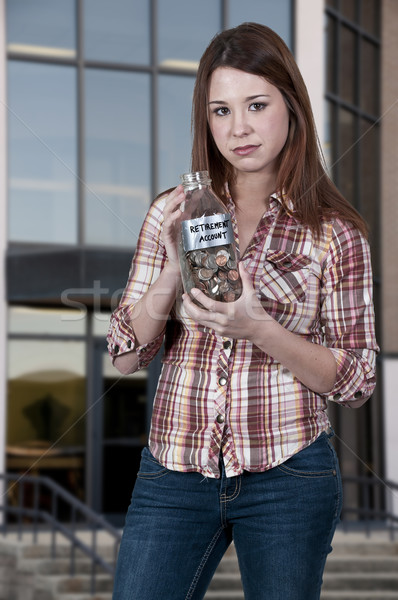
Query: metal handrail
(367, 513)
(81, 516)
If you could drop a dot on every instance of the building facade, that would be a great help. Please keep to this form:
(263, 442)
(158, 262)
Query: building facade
(94, 123)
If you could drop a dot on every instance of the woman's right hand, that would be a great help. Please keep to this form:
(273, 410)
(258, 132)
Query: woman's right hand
(171, 225)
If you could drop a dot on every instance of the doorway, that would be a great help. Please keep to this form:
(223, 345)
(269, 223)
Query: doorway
(119, 420)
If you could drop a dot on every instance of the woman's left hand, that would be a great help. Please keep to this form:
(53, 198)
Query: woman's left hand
(238, 319)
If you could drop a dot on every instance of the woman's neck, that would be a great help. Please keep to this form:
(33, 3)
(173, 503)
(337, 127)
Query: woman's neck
(250, 191)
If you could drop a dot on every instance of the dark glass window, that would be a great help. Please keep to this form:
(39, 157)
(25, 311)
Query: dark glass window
(331, 71)
(348, 9)
(369, 87)
(42, 157)
(347, 150)
(347, 65)
(352, 134)
(369, 169)
(352, 91)
(117, 31)
(370, 16)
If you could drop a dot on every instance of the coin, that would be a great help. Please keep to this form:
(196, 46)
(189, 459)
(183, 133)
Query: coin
(205, 274)
(210, 261)
(233, 275)
(214, 271)
(229, 296)
(224, 287)
(221, 260)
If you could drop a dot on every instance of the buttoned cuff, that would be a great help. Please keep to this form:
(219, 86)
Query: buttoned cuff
(121, 339)
(355, 380)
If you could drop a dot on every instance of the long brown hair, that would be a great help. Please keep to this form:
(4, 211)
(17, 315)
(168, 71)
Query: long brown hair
(257, 49)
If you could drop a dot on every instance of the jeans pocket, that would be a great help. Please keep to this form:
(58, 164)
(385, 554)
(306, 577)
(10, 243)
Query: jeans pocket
(150, 468)
(316, 460)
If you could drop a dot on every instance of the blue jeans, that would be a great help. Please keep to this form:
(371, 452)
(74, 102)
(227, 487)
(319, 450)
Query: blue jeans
(282, 521)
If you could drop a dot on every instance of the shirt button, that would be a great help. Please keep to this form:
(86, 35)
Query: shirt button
(129, 344)
(358, 394)
(116, 349)
(227, 344)
(222, 381)
(337, 396)
(220, 419)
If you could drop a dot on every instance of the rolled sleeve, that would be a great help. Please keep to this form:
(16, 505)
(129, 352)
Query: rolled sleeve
(355, 380)
(348, 316)
(148, 261)
(121, 338)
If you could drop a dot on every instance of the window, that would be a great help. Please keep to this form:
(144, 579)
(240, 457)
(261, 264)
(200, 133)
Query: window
(42, 156)
(185, 29)
(276, 15)
(117, 143)
(352, 93)
(42, 28)
(117, 31)
(175, 97)
(352, 151)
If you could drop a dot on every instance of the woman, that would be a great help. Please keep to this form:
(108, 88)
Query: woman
(239, 443)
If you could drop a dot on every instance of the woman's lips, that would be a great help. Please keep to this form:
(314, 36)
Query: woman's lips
(244, 150)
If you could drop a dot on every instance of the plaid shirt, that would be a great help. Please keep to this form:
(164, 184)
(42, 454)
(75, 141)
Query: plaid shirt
(216, 393)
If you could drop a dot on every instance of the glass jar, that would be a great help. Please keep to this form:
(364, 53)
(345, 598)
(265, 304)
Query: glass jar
(207, 249)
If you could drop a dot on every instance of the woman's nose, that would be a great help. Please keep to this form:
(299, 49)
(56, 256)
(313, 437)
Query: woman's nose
(240, 125)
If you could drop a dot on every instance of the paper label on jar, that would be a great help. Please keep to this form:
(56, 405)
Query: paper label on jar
(205, 232)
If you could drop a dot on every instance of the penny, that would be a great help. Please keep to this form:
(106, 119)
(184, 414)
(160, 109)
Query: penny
(229, 296)
(233, 275)
(221, 260)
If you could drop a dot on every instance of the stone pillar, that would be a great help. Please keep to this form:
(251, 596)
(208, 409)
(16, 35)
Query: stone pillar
(3, 242)
(389, 235)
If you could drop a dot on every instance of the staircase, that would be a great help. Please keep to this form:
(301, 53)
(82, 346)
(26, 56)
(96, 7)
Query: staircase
(359, 568)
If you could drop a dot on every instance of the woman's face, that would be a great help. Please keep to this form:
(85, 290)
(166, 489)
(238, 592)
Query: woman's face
(249, 120)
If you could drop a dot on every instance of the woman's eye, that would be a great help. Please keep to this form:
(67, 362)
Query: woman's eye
(221, 111)
(257, 106)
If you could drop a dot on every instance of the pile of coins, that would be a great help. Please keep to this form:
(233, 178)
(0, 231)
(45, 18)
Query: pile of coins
(214, 271)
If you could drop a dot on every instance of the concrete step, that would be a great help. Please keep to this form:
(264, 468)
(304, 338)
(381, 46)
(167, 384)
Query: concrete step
(352, 563)
(226, 581)
(235, 595)
(79, 596)
(80, 584)
(41, 551)
(359, 568)
(221, 595)
(362, 595)
(336, 564)
(58, 566)
(361, 582)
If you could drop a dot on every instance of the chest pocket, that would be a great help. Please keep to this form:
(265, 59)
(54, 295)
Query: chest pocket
(285, 276)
